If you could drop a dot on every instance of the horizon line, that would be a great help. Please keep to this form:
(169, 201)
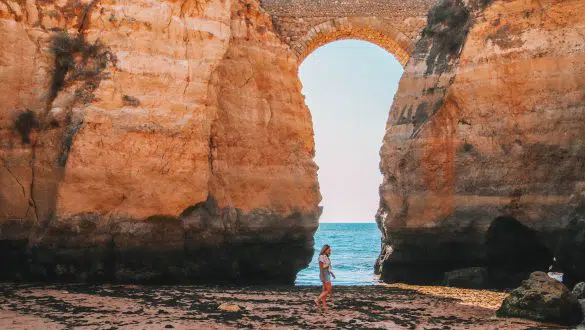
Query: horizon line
(346, 222)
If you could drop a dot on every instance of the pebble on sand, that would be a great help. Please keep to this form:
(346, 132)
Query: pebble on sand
(229, 307)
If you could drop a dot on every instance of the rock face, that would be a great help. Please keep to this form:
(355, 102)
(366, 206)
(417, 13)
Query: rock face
(579, 290)
(308, 24)
(513, 251)
(169, 141)
(472, 278)
(487, 123)
(543, 299)
(152, 141)
(571, 252)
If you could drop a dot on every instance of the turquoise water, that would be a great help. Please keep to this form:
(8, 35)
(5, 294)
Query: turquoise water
(354, 249)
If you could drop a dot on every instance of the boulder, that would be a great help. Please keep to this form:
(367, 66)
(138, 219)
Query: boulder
(579, 290)
(542, 299)
(471, 278)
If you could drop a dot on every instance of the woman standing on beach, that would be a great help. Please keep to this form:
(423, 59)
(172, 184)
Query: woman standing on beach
(325, 274)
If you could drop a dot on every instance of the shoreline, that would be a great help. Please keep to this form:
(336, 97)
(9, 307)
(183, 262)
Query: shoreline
(113, 306)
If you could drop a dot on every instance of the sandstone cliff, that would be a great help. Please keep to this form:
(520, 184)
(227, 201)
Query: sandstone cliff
(152, 141)
(169, 141)
(487, 122)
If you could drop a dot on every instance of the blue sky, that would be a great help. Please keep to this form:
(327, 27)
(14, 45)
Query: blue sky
(349, 86)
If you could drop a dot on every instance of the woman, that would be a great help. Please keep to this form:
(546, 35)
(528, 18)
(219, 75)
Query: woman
(325, 274)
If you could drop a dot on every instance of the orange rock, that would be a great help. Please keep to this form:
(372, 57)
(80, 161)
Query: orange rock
(491, 130)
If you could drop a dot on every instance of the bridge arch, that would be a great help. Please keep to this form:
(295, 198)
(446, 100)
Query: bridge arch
(371, 29)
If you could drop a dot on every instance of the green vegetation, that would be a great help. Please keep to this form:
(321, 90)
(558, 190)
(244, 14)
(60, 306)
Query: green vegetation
(25, 122)
(447, 26)
(73, 126)
(76, 60)
(130, 100)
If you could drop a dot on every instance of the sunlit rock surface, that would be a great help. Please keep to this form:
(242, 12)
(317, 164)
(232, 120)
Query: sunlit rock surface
(487, 122)
(169, 141)
(152, 141)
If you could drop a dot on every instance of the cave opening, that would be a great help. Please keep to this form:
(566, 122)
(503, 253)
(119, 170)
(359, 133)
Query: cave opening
(513, 251)
(349, 86)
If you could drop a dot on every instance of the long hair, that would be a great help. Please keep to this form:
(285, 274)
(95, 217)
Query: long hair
(323, 249)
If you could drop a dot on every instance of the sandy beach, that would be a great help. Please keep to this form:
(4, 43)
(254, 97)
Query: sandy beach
(68, 306)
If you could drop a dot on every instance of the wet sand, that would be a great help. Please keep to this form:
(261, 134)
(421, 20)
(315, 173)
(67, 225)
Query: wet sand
(71, 306)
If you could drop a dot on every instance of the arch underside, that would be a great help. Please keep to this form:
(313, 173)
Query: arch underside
(378, 39)
(382, 32)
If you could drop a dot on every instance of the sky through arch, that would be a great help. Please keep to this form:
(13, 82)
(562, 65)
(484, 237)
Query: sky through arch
(349, 86)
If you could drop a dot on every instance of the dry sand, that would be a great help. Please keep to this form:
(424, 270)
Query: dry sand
(77, 306)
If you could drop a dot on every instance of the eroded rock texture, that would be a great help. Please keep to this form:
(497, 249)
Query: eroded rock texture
(152, 141)
(487, 122)
(167, 141)
(543, 299)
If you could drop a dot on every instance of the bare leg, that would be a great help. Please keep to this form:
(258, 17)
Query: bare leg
(319, 299)
(326, 290)
(330, 294)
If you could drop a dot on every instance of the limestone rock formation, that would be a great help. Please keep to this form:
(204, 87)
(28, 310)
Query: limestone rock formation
(487, 122)
(543, 299)
(152, 141)
(169, 141)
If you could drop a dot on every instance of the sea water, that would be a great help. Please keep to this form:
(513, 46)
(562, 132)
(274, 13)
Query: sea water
(354, 249)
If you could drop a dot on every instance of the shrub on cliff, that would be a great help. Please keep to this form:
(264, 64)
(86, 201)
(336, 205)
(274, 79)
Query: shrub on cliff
(130, 101)
(78, 60)
(25, 122)
(447, 26)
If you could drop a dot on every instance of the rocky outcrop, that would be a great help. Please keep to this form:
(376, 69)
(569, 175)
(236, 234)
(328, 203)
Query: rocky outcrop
(169, 141)
(152, 141)
(571, 250)
(472, 278)
(487, 122)
(579, 290)
(543, 299)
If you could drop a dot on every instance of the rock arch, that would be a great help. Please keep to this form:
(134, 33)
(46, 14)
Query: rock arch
(306, 25)
(200, 141)
(370, 29)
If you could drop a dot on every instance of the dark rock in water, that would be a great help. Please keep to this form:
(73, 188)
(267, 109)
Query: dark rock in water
(471, 278)
(579, 290)
(543, 299)
(571, 252)
(513, 251)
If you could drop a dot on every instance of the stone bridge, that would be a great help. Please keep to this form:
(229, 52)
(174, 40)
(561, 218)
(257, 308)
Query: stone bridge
(308, 24)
